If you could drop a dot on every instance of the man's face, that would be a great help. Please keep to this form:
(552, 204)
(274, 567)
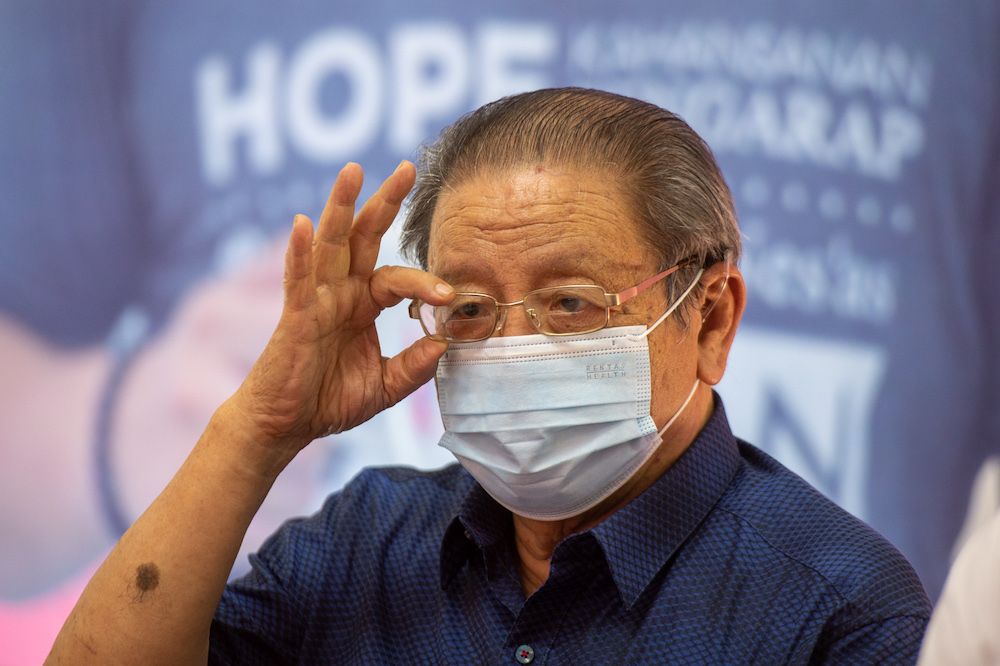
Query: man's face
(508, 234)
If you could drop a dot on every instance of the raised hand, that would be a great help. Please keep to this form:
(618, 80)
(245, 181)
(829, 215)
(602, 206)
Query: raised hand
(152, 600)
(323, 371)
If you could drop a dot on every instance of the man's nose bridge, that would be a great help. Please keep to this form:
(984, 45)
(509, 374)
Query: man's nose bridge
(520, 323)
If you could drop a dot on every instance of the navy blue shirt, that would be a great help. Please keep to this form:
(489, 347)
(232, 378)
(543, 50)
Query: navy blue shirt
(727, 558)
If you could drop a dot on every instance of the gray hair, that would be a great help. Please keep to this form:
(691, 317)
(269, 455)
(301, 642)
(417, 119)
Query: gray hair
(666, 171)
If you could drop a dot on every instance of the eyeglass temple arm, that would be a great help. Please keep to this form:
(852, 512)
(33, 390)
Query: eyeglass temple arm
(623, 296)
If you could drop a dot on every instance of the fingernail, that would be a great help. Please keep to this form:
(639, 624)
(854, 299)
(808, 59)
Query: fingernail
(444, 289)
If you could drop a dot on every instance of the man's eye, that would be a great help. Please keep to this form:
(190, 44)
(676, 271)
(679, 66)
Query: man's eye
(569, 304)
(573, 301)
(468, 311)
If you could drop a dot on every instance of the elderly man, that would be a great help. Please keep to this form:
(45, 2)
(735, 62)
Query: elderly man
(580, 297)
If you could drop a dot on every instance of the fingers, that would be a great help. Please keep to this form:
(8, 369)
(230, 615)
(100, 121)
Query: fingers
(333, 255)
(349, 245)
(391, 284)
(376, 216)
(411, 368)
(299, 284)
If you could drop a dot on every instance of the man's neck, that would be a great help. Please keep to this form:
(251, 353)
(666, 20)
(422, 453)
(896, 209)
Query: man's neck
(535, 540)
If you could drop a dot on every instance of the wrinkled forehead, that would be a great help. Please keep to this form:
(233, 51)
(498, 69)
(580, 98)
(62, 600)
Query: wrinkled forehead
(544, 221)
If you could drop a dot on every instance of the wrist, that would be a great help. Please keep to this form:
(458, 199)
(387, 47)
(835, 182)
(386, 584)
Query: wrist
(255, 452)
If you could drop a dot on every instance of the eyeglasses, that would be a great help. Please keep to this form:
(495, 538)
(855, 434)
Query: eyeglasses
(565, 310)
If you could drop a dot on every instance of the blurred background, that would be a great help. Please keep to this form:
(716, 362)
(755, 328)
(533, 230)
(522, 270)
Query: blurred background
(153, 153)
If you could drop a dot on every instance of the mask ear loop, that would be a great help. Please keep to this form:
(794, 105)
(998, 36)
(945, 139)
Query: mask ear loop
(673, 307)
(728, 260)
(679, 411)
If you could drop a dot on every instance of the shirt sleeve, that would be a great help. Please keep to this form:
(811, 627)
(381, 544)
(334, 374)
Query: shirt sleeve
(346, 584)
(891, 641)
(259, 619)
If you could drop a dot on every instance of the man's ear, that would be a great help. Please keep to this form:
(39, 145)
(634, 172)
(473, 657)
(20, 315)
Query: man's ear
(721, 308)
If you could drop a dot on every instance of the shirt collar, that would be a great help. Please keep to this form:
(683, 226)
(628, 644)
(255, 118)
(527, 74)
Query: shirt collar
(639, 538)
(481, 523)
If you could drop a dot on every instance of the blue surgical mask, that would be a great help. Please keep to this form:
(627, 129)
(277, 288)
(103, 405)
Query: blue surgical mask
(551, 426)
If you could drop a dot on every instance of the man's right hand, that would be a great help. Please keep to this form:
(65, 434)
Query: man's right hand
(153, 599)
(323, 371)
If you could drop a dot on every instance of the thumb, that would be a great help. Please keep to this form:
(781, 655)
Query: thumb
(411, 368)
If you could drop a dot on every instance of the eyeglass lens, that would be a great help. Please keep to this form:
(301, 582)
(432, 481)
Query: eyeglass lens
(554, 310)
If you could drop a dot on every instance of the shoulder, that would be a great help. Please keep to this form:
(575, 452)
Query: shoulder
(325, 575)
(383, 519)
(404, 507)
(381, 500)
(795, 527)
(403, 492)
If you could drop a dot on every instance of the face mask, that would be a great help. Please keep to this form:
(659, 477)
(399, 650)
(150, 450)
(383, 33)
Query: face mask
(552, 426)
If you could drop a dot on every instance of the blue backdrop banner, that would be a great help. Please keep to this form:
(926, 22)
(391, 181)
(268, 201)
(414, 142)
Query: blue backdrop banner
(152, 155)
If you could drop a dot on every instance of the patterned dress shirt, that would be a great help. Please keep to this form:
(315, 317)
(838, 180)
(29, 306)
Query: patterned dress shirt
(728, 558)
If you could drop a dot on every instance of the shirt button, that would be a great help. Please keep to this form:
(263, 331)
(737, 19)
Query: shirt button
(524, 654)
